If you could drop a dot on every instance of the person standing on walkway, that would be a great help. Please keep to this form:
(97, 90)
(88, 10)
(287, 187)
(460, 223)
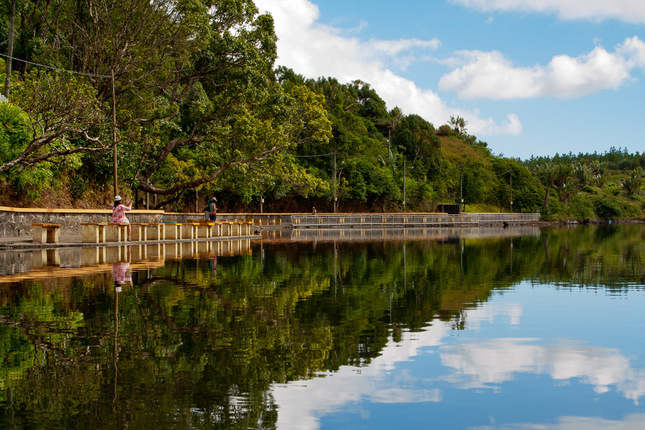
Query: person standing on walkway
(211, 209)
(118, 213)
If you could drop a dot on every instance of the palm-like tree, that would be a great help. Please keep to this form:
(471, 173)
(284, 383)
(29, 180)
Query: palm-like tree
(458, 124)
(547, 173)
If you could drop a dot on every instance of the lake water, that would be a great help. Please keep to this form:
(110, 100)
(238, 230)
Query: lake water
(449, 329)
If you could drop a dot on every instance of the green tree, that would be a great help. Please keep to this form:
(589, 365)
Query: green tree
(547, 173)
(420, 144)
(632, 184)
(458, 124)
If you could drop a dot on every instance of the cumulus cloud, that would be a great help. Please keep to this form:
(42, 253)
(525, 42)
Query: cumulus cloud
(489, 364)
(491, 75)
(314, 50)
(632, 11)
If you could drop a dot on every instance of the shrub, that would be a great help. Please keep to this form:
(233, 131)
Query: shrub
(607, 207)
(581, 207)
(77, 187)
(15, 131)
(445, 130)
(612, 188)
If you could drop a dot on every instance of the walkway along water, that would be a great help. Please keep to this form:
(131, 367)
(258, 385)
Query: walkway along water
(16, 224)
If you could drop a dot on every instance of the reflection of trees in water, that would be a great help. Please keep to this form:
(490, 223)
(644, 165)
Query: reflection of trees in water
(205, 347)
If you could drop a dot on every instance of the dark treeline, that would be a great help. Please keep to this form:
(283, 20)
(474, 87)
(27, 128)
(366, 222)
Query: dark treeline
(188, 96)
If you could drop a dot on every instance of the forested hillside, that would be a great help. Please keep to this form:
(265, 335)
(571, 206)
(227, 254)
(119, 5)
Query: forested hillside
(173, 101)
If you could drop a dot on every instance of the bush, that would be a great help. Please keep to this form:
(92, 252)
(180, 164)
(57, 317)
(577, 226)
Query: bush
(581, 207)
(613, 188)
(77, 187)
(445, 130)
(607, 207)
(15, 131)
(419, 193)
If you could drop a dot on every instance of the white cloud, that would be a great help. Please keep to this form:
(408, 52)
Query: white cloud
(632, 11)
(631, 422)
(489, 364)
(491, 75)
(314, 50)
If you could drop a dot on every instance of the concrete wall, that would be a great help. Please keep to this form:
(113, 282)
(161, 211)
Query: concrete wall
(16, 222)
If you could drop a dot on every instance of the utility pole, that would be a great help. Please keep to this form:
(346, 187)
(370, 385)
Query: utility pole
(389, 150)
(461, 187)
(404, 191)
(7, 81)
(335, 185)
(511, 174)
(116, 188)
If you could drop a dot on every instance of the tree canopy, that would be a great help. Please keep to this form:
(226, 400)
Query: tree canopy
(189, 92)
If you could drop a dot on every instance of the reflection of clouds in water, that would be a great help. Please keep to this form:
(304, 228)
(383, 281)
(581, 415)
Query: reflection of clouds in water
(498, 360)
(490, 312)
(399, 395)
(302, 403)
(485, 364)
(631, 422)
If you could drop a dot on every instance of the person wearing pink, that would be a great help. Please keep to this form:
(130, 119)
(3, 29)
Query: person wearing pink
(118, 213)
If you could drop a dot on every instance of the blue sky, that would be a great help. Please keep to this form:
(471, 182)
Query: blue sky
(531, 77)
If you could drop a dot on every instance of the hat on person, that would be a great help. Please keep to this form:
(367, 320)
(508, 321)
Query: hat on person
(117, 198)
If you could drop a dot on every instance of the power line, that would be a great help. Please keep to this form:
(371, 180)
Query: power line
(57, 69)
(312, 156)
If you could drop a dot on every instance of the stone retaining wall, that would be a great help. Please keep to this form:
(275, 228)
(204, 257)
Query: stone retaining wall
(16, 222)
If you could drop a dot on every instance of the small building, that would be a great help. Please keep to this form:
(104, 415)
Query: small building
(450, 209)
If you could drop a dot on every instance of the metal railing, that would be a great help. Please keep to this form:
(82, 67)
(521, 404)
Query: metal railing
(403, 220)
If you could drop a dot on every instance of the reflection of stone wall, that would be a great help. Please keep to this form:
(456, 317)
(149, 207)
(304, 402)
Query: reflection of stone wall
(439, 233)
(41, 264)
(15, 262)
(12, 262)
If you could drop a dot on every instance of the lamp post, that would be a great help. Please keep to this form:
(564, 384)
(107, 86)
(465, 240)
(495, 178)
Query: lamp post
(7, 82)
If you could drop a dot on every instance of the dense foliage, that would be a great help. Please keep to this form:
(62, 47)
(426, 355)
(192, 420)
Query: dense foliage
(201, 109)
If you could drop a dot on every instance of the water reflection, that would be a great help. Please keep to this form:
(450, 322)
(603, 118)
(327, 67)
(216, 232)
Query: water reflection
(418, 233)
(329, 333)
(491, 363)
(485, 365)
(48, 263)
(121, 274)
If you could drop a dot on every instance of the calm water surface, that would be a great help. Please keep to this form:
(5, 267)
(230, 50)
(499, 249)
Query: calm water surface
(516, 329)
